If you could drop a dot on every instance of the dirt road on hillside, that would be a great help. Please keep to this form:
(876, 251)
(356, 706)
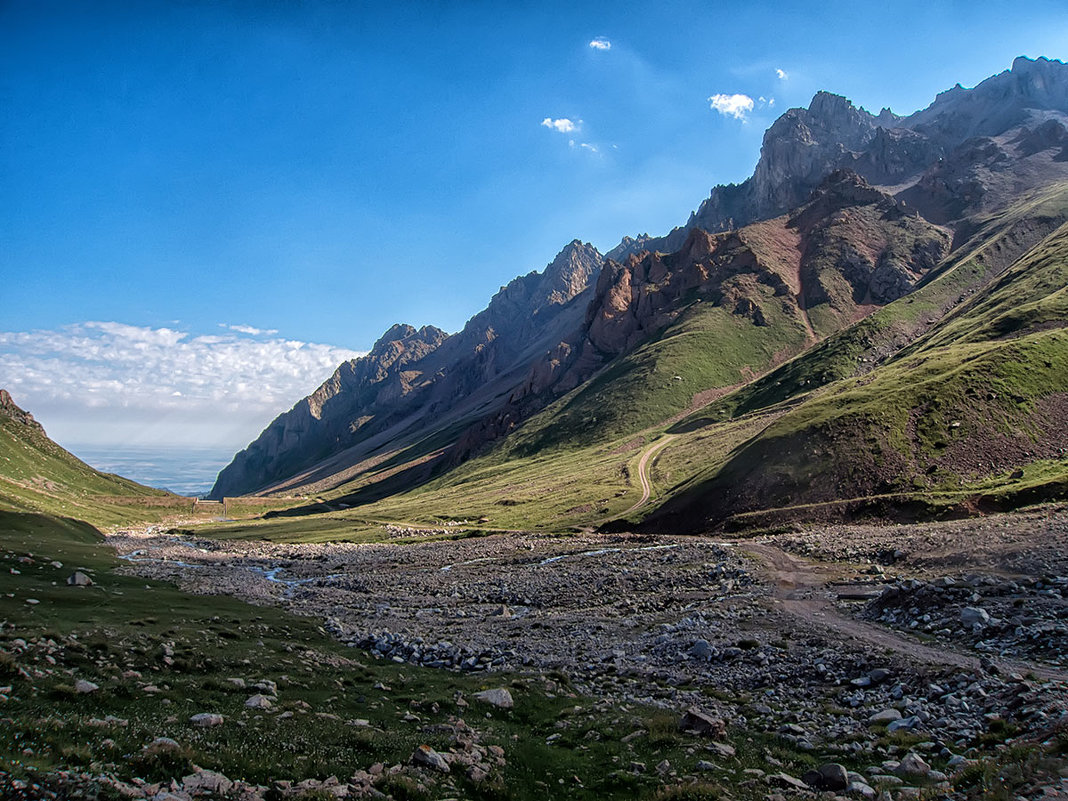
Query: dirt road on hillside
(643, 472)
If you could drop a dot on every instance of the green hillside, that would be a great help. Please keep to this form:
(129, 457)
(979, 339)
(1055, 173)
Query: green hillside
(37, 475)
(972, 412)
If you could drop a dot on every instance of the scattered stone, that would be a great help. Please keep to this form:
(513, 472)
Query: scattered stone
(722, 750)
(970, 615)
(499, 697)
(885, 716)
(83, 687)
(694, 721)
(833, 776)
(785, 781)
(862, 789)
(913, 766)
(258, 701)
(701, 650)
(427, 757)
(206, 783)
(161, 745)
(903, 723)
(79, 579)
(206, 719)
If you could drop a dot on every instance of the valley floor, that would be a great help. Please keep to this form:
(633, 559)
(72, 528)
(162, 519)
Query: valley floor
(863, 644)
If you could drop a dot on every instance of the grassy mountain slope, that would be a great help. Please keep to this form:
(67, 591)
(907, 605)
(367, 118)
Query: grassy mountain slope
(976, 407)
(37, 475)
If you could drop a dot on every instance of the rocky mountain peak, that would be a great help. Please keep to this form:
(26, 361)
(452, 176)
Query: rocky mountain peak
(997, 104)
(835, 112)
(403, 335)
(628, 245)
(570, 272)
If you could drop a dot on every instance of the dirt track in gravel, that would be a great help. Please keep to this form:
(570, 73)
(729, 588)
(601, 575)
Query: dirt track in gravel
(798, 587)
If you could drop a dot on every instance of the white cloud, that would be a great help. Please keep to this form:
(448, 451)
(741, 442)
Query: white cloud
(563, 125)
(782, 74)
(601, 43)
(736, 106)
(248, 329)
(112, 383)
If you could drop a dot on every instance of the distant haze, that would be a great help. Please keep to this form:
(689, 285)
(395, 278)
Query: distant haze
(186, 471)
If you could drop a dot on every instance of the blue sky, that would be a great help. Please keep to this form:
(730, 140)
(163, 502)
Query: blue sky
(313, 172)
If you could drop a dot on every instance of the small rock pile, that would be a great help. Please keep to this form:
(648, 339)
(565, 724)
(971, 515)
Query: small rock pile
(1018, 618)
(442, 654)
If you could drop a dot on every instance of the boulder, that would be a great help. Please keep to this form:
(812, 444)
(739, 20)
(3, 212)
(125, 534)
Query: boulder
(701, 650)
(830, 776)
(206, 719)
(970, 615)
(79, 579)
(427, 757)
(885, 716)
(498, 697)
(83, 687)
(912, 766)
(161, 745)
(206, 783)
(258, 702)
(904, 723)
(833, 776)
(698, 722)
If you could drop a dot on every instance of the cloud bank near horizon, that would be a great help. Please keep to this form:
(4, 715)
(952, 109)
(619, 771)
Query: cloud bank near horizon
(109, 383)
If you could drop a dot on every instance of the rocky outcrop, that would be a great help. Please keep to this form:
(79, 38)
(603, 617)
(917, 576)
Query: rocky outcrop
(8, 408)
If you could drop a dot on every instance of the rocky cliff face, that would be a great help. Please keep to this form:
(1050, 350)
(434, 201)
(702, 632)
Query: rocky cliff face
(850, 248)
(414, 380)
(321, 423)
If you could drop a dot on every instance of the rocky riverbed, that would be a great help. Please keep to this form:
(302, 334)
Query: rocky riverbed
(751, 632)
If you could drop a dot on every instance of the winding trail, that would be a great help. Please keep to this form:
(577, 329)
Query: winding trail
(798, 586)
(643, 472)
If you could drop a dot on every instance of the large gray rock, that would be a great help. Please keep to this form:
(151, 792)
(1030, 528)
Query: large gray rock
(427, 757)
(79, 579)
(913, 766)
(207, 719)
(970, 615)
(258, 701)
(498, 697)
(206, 783)
(885, 716)
(698, 722)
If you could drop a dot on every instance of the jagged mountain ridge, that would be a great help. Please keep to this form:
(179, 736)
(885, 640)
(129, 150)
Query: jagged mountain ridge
(500, 386)
(414, 381)
(805, 144)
